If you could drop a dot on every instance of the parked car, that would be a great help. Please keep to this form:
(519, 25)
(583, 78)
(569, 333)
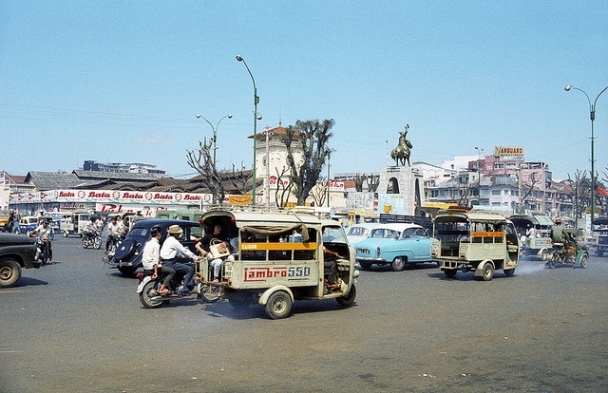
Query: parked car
(395, 244)
(358, 232)
(26, 225)
(16, 253)
(127, 257)
(5, 220)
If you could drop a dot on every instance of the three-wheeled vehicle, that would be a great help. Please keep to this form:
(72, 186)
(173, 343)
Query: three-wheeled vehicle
(599, 231)
(466, 240)
(538, 245)
(574, 252)
(74, 223)
(280, 258)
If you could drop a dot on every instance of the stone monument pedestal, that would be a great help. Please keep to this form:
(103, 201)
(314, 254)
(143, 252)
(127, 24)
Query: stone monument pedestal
(402, 185)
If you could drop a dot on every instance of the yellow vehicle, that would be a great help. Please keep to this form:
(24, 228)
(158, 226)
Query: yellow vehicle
(482, 242)
(4, 220)
(280, 258)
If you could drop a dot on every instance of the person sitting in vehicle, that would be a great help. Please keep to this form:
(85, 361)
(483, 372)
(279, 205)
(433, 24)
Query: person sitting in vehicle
(558, 235)
(331, 269)
(90, 229)
(153, 265)
(45, 232)
(204, 248)
(172, 249)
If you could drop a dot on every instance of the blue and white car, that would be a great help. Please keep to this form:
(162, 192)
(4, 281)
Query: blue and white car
(394, 244)
(358, 232)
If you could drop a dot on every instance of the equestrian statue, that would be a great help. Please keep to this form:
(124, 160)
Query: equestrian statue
(401, 153)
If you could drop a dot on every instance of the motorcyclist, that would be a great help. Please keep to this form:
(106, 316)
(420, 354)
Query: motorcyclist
(90, 229)
(171, 249)
(153, 265)
(114, 232)
(45, 232)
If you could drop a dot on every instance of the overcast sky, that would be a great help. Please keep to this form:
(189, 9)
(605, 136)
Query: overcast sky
(122, 81)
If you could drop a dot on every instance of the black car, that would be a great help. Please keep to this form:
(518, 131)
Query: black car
(128, 253)
(16, 253)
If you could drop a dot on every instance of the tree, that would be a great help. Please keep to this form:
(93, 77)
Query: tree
(284, 187)
(201, 161)
(311, 136)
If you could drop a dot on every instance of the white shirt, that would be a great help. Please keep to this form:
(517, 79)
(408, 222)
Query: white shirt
(44, 233)
(172, 248)
(151, 254)
(113, 229)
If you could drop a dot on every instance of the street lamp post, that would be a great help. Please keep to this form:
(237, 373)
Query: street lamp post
(479, 151)
(199, 116)
(592, 116)
(328, 175)
(256, 100)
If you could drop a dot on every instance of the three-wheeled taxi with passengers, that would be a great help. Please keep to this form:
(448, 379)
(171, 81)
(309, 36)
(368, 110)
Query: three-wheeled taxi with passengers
(280, 256)
(466, 240)
(538, 244)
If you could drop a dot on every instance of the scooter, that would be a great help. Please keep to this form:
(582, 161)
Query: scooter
(148, 291)
(41, 256)
(93, 241)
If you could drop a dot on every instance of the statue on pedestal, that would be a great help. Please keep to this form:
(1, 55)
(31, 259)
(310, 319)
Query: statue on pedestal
(401, 153)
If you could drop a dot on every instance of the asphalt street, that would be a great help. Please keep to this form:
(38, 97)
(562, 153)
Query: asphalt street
(78, 326)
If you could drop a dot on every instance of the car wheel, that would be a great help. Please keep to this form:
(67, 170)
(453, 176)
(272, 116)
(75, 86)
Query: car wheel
(584, 261)
(450, 273)
(10, 272)
(365, 265)
(347, 301)
(127, 270)
(509, 272)
(278, 305)
(398, 264)
(487, 272)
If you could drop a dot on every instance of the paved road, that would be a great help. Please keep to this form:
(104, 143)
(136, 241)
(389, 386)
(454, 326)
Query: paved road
(77, 326)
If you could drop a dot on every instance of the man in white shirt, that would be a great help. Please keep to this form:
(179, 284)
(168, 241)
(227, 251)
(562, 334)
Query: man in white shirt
(171, 249)
(152, 264)
(45, 232)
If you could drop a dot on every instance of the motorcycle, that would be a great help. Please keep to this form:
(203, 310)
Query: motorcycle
(41, 256)
(568, 255)
(113, 246)
(148, 291)
(92, 240)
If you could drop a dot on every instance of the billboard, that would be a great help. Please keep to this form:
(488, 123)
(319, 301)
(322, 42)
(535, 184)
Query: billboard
(508, 151)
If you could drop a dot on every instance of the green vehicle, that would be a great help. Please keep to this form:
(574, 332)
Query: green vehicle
(573, 253)
(180, 214)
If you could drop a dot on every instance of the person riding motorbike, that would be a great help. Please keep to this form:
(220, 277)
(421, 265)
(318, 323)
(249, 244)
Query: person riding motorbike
(114, 232)
(153, 265)
(45, 232)
(90, 229)
(171, 249)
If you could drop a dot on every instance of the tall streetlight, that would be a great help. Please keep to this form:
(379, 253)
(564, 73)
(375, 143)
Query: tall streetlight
(199, 116)
(479, 152)
(592, 116)
(328, 175)
(256, 100)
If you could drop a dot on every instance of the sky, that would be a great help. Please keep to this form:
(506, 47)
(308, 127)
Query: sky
(123, 81)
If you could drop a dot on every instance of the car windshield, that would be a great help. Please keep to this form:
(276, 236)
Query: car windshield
(385, 233)
(357, 231)
(334, 235)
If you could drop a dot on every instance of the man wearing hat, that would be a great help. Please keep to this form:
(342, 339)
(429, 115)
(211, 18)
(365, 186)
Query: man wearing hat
(557, 233)
(171, 249)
